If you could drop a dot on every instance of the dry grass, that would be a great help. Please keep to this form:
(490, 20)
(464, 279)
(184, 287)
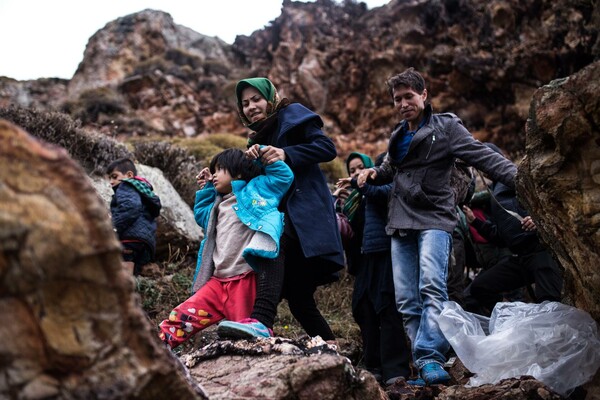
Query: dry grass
(92, 150)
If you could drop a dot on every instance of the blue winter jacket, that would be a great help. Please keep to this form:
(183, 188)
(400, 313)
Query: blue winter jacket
(309, 205)
(134, 209)
(256, 207)
(374, 237)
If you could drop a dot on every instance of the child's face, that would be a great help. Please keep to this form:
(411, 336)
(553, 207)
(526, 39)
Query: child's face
(222, 180)
(116, 177)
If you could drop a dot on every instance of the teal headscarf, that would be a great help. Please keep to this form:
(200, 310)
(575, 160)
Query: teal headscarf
(354, 198)
(367, 162)
(265, 87)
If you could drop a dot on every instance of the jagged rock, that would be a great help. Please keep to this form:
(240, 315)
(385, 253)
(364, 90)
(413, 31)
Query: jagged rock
(74, 328)
(44, 93)
(144, 75)
(142, 67)
(524, 388)
(177, 228)
(278, 368)
(113, 53)
(559, 180)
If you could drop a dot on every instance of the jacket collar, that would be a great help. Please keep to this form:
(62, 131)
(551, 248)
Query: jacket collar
(425, 130)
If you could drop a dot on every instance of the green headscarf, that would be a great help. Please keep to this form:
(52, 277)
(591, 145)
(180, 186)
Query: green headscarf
(367, 162)
(354, 198)
(265, 87)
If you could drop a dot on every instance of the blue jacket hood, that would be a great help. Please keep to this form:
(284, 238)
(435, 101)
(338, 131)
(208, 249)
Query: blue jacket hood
(296, 114)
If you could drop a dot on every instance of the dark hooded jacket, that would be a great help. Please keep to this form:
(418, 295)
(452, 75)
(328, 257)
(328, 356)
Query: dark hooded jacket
(308, 203)
(134, 208)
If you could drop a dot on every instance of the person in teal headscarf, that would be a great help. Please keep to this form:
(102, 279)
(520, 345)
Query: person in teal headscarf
(311, 249)
(349, 199)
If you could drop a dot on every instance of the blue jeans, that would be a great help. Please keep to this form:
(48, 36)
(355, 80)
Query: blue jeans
(420, 268)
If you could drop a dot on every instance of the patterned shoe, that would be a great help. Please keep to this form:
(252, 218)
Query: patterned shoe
(433, 374)
(247, 328)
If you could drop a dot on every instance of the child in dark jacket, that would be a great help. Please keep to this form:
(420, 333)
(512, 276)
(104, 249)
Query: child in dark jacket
(134, 208)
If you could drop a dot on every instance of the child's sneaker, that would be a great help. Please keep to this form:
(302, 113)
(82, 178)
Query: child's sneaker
(433, 373)
(247, 328)
(416, 382)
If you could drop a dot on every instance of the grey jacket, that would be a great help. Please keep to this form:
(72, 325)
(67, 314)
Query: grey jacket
(421, 196)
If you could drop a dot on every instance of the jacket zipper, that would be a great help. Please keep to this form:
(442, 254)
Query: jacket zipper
(430, 146)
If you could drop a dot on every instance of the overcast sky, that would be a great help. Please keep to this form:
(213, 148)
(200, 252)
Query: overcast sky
(47, 38)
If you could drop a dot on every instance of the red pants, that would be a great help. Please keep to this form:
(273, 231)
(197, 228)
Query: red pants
(220, 298)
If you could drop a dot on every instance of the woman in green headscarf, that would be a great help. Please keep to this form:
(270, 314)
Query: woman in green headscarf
(349, 199)
(311, 248)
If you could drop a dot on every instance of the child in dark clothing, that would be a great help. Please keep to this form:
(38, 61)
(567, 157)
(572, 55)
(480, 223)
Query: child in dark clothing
(134, 208)
(237, 209)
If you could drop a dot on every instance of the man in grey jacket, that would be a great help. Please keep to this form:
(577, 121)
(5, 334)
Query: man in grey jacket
(421, 154)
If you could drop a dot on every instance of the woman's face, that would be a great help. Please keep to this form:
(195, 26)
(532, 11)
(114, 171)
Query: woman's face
(254, 106)
(355, 166)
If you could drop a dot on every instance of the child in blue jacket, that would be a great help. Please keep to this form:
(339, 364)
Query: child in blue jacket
(237, 209)
(134, 208)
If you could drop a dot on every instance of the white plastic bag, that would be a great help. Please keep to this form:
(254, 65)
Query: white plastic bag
(555, 343)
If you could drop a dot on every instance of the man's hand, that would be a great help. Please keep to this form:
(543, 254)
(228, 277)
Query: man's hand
(364, 175)
(528, 224)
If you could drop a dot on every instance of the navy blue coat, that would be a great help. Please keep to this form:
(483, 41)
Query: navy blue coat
(373, 266)
(374, 236)
(132, 217)
(308, 204)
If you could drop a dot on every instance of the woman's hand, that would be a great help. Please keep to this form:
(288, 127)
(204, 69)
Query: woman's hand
(341, 194)
(253, 152)
(343, 182)
(203, 177)
(270, 154)
(342, 188)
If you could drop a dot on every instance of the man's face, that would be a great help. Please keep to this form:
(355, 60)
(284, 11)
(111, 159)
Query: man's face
(409, 104)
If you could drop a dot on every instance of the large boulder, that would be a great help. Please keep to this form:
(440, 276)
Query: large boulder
(559, 180)
(73, 325)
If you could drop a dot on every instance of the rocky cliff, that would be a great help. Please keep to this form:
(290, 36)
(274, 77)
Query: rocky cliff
(143, 74)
